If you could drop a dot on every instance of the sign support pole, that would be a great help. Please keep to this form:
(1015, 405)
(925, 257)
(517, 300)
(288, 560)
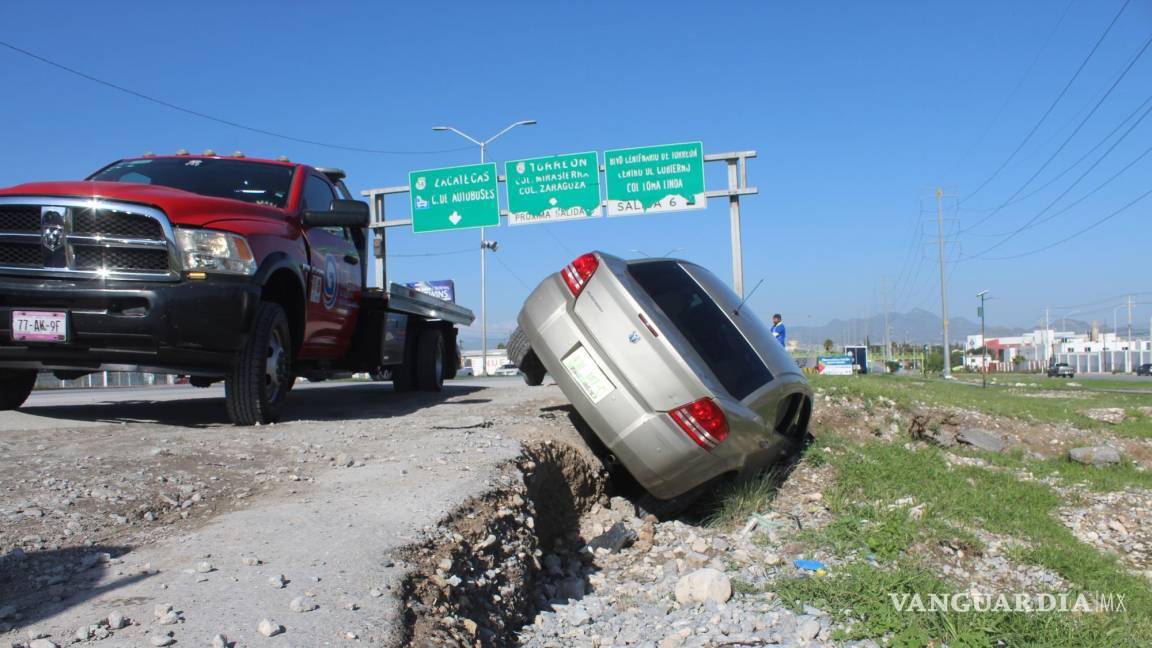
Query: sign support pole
(734, 217)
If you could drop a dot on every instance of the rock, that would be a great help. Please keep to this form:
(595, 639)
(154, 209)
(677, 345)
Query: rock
(302, 604)
(162, 640)
(617, 537)
(808, 630)
(84, 634)
(375, 593)
(982, 439)
(462, 423)
(622, 505)
(1118, 527)
(42, 643)
(116, 620)
(1095, 455)
(161, 609)
(219, 641)
(940, 437)
(570, 588)
(169, 618)
(269, 628)
(703, 586)
(277, 581)
(1110, 415)
(204, 567)
(344, 460)
(251, 561)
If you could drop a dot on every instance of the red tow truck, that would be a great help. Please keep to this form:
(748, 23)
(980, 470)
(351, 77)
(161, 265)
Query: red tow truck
(245, 270)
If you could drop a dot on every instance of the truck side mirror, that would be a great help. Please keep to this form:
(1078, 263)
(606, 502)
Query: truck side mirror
(343, 213)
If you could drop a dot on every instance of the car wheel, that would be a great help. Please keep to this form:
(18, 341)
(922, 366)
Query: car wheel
(15, 386)
(518, 346)
(430, 360)
(532, 369)
(258, 385)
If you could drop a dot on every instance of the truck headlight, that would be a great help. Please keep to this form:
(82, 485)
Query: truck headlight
(214, 251)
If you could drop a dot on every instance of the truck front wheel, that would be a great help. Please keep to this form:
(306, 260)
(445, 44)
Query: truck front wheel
(15, 385)
(256, 389)
(430, 360)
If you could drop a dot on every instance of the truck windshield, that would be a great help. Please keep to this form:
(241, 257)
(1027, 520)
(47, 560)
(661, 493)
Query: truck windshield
(701, 321)
(254, 182)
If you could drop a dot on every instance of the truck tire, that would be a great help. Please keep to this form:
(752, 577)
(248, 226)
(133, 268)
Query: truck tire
(520, 352)
(258, 385)
(15, 386)
(403, 378)
(430, 360)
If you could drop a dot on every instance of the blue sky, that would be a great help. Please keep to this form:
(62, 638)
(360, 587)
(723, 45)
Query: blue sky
(858, 111)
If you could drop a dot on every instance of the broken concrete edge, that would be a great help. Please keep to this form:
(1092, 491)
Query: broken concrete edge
(473, 580)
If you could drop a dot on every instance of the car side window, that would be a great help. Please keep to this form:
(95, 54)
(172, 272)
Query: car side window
(318, 195)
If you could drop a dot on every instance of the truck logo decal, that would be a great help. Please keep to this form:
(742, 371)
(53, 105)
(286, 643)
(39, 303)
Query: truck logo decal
(53, 237)
(634, 337)
(331, 282)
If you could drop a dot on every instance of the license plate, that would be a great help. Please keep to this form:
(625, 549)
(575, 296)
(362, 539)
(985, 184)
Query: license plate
(588, 375)
(40, 326)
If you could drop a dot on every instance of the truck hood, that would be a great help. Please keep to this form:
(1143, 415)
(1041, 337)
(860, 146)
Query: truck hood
(182, 207)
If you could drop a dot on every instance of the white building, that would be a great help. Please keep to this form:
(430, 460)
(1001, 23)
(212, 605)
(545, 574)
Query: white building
(1103, 353)
(496, 358)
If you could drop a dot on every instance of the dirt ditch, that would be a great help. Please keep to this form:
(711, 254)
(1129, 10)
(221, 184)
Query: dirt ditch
(481, 577)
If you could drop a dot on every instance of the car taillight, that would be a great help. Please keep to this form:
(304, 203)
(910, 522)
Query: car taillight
(577, 273)
(702, 420)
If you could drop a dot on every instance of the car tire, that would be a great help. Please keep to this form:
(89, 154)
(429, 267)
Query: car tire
(15, 386)
(403, 378)
(518, 346)
(258, 385)
(430, 360)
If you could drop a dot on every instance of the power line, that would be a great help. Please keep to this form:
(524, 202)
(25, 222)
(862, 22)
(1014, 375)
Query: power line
(1074, 131)
(1019, 83)
(219, 120)
(1051, 181)
(1032, 222)
(1052, 107)
(1083, 231)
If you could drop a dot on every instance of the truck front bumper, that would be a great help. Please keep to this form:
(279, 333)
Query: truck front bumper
(186, 327)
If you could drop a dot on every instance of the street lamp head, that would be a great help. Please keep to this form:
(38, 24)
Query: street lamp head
(439, 128)
(982, 293)
(526, 122)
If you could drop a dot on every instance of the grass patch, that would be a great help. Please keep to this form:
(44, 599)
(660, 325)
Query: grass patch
(737, 502)
(1098, 478)
(872, 475)
(999, 400)
(859, 596)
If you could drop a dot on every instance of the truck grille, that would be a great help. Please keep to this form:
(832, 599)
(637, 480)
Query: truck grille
(73, 237)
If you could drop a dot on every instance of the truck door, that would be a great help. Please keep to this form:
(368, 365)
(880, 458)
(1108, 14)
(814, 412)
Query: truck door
(334, 279)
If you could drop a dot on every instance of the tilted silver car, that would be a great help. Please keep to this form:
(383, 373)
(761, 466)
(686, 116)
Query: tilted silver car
(681, 384)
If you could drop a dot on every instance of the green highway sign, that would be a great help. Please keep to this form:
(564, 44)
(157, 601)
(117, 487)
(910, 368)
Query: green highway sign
(553, 188)
(654, 179)
(462, 197)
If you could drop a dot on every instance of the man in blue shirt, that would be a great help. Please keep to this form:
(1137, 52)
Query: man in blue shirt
(778, 330)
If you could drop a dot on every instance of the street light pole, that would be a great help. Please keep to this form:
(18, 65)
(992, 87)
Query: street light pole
(484, 243)
(983, 344)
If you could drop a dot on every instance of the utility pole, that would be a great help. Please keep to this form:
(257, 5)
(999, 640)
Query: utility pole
(1048, 341)
(1128, 354)
(983, 343)
(887, 339)
(943, 288)
(485, 244)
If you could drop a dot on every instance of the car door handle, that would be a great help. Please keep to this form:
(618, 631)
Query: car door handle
(352, 259)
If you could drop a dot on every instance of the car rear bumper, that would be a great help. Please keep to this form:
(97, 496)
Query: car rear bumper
(658, 454)
(193, 327)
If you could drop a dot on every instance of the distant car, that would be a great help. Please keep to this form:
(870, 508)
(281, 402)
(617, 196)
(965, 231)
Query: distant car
(1144, 369)
(464, 372)
(509, 369)
(1061, 370)
(683, 386)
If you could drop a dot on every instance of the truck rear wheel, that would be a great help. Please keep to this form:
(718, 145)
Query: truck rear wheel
(430, 360)
(258, 385)
(15, 386)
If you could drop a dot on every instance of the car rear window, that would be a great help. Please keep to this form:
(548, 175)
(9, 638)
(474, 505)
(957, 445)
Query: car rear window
(702, 322)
